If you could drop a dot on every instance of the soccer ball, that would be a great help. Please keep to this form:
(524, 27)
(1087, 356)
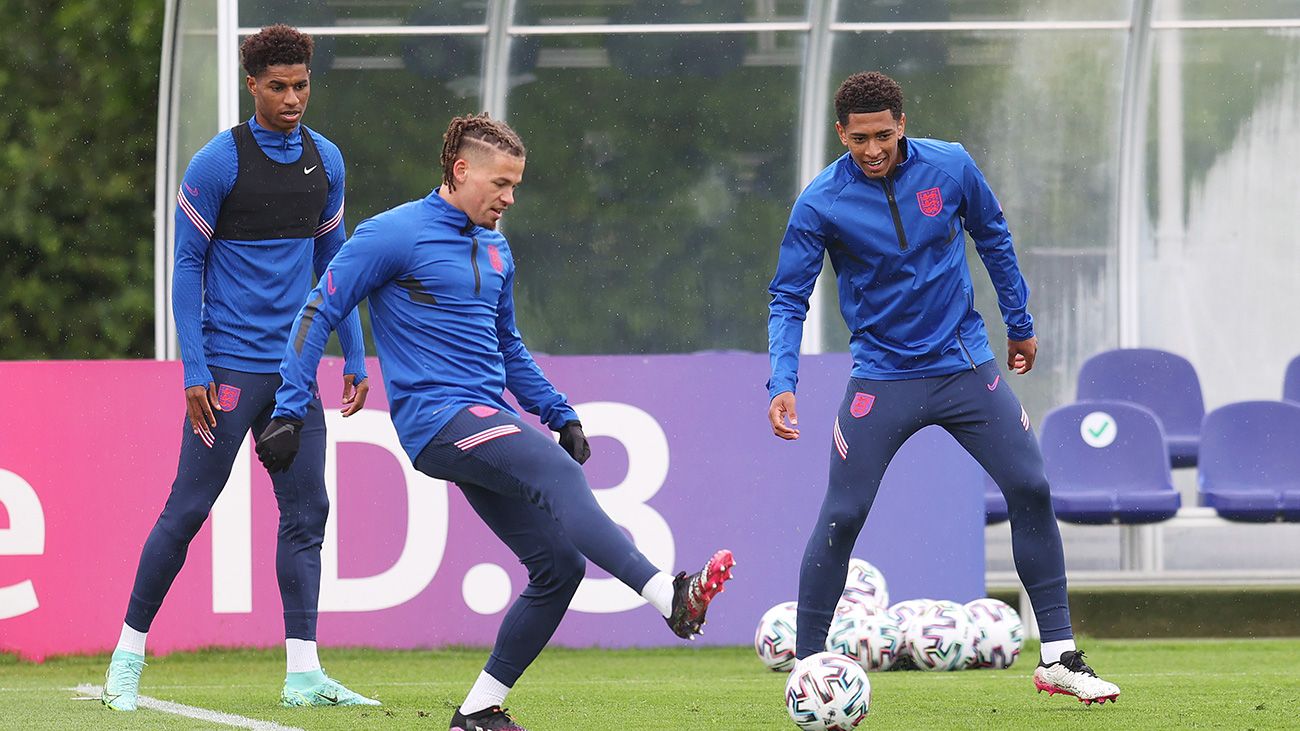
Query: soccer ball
(846, 632)
(774, 639)
(866, 585)
(880, 640)
(848, 606)
(863, 573)
(903, 612)
(942, 637)
(827, 692)
(1000, 633)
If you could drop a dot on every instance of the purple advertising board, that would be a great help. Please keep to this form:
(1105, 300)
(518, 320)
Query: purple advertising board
(683, 459)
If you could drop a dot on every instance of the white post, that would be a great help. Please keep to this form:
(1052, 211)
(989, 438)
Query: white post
(162, 204)
(813, 124)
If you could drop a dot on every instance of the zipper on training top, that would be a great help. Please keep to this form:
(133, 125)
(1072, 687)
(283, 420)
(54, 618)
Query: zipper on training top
(970, 306)
(962, 343)
(473, 261)
(893, 210)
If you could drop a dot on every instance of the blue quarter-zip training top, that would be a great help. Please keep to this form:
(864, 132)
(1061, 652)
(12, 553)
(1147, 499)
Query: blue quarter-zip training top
(234, 300)
(899, 257)
(442, 309)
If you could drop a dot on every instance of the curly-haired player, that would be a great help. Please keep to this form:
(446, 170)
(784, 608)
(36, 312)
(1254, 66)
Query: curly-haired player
(890, 213)
(260, 208)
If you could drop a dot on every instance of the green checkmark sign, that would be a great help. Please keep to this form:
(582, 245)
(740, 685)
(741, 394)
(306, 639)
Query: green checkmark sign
(1099, 430)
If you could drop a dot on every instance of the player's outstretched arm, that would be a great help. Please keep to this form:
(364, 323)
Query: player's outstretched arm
(803, 248)
(369, 259)
(206, 184)
(987, 226)
(330, 237)
(524, 378)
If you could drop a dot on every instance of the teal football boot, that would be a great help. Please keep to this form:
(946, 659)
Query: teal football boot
(315, 688)
(122, 681)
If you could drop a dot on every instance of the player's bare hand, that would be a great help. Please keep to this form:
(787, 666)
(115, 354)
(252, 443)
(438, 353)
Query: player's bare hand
(1021, 354)
(200, 402)
(781, 410)
(354, 394)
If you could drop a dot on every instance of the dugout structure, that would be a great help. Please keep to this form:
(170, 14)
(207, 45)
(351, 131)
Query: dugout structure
(1141, 149)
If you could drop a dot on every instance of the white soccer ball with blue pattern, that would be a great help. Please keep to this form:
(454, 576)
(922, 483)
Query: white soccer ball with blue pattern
(881, 642)
(903, 612)
(827, 692)
(942, 637)
(866, 585)
(1001, 633)
(848, 626)
(774, 638)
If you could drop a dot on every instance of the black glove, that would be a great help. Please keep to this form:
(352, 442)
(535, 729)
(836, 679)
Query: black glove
(278, 444)
(574, 441)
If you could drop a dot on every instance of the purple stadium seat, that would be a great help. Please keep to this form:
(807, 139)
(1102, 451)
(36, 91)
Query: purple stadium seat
(1291, 382)
(1163, 382)
(1122, 476)
(995, 506)
(1250, 461)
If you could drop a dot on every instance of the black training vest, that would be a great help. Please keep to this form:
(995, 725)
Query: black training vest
(272, 200)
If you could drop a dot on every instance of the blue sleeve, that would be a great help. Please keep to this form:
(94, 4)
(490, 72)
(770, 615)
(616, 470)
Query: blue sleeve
(208, 180)
(375, 254)
(800, 261)
(982, 216)
(330, 235)
(524, 377)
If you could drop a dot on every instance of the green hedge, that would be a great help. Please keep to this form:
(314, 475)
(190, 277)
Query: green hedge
(80, 84)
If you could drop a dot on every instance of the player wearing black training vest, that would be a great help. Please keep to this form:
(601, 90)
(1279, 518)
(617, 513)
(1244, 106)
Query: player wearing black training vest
(259, 209)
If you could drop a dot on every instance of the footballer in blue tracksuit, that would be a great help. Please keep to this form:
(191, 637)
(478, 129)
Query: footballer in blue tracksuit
(440, 281)
(890, 213)
(259, 209)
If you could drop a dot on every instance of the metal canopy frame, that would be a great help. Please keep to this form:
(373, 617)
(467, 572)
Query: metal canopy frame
(821, 31)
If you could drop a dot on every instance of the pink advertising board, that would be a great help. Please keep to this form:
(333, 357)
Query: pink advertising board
(683, 459)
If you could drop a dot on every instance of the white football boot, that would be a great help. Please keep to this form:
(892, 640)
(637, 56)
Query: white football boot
(1072, 676)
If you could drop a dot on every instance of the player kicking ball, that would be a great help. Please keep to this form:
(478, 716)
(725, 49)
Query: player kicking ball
(890, 214)
(440, 279)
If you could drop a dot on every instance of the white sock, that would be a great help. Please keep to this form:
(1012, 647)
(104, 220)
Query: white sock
(1052, 651)
(659, 592)
(131, 640)
(487, 692)
(300, 656)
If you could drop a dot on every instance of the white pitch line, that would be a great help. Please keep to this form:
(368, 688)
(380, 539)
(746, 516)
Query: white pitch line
(202, 714)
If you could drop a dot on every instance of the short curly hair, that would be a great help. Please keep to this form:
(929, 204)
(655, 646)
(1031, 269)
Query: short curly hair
(866, 92)
(275, 45)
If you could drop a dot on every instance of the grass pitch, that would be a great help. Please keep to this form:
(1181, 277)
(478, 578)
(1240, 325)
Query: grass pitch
(1166, 684)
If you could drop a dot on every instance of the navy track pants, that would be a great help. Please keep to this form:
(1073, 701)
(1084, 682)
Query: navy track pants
(979, 410)
(203, 471)
(535, 498)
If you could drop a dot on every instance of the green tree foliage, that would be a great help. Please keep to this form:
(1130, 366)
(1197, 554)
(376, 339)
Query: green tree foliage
(77, 139)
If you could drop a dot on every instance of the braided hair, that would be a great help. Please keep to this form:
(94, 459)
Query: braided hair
(275, 45)
(478, 130)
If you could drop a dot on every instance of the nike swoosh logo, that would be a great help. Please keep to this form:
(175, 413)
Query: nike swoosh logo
(307, 171)
(994, 385)
(329, 282)
(278, 432)
(188, 189)
(332, 699)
